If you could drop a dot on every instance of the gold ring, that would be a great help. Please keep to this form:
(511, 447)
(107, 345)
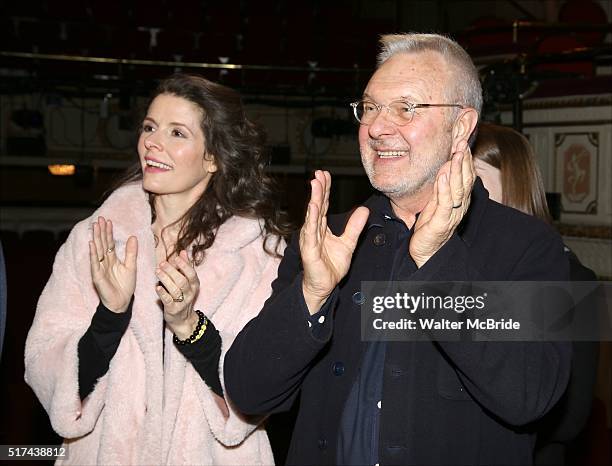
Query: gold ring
(109, 250)
(100, 260)
(180, 299)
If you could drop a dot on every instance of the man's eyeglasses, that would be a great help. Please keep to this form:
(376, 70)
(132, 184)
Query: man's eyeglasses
(400, 112)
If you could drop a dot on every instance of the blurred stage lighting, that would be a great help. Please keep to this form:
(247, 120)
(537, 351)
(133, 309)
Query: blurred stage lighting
(62, 170)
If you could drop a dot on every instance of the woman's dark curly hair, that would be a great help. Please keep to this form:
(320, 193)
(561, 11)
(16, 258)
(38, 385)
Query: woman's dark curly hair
(240, 185)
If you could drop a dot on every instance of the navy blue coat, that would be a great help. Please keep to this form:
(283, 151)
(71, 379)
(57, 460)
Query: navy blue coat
(443, 402)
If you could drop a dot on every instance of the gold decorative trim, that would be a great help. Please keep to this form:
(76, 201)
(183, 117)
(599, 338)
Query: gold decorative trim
(595, 100)
(585, 231)
(551, 124)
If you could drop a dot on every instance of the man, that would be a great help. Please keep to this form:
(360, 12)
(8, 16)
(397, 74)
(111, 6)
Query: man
(403, 402)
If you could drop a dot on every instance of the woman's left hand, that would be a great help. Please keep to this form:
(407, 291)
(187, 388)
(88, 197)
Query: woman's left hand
(181, 285)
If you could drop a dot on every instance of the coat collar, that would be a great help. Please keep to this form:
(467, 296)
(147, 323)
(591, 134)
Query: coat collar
(132, 200)
(380, 210)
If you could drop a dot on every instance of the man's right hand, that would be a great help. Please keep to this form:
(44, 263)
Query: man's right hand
(326, 258)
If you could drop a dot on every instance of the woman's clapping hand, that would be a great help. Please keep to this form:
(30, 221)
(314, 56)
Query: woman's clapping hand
(114, 280)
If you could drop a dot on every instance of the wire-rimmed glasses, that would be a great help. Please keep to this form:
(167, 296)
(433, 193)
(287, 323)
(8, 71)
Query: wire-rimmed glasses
(400, 112)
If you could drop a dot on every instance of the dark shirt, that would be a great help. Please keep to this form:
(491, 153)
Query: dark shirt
(359, 426)
(100, 342)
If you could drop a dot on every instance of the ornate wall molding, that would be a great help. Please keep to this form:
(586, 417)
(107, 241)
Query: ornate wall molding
(585, 231)
(598, 100)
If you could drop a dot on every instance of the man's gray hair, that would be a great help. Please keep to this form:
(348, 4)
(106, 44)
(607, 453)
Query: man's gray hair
(466, 89)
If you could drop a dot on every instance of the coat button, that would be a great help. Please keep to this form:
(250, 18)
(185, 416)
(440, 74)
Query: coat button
(379, 239)
(358, 298)
(338, 368)
(322, 444)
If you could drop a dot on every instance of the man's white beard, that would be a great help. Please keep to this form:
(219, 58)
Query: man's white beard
(403, 185)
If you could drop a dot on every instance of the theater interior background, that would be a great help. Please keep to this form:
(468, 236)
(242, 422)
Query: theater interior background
(75, 74)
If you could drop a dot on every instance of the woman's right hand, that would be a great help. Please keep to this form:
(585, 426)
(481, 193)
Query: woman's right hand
(115, 281)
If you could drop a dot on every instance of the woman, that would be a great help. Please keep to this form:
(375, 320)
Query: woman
(505, 162)
(187, 245)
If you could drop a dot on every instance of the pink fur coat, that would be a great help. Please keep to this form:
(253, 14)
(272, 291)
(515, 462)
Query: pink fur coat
(150, 408)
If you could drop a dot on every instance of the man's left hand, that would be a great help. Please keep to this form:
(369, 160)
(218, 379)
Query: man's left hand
(447, 206)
